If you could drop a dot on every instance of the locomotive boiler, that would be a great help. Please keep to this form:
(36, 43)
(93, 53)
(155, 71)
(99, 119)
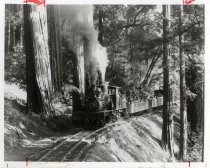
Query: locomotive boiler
(102, 103)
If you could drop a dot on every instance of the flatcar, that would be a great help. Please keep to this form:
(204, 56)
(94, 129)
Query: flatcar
(138, 107)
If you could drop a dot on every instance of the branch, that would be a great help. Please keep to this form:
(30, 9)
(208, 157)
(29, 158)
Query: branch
(134, 21)
(134, 25)
(154, 61)
(135, 17)
(154, 42)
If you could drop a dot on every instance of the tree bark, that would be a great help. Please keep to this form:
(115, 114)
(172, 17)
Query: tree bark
(55, 45)
(38, 73)
(166, 129)
(79, 73)
(183, 110)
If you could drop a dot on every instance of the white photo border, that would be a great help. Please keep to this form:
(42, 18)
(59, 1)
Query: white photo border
(205, 164)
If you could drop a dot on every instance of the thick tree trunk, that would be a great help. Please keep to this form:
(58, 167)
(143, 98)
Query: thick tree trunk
(79, 73)
(38, 73)
(183, 108)
(166, 129)
(191, 104)
(55, 45)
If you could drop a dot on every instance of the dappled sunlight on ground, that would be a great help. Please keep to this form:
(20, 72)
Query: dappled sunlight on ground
(14, 91)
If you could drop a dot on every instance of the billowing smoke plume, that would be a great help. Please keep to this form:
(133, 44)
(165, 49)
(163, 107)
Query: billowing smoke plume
(80, 18)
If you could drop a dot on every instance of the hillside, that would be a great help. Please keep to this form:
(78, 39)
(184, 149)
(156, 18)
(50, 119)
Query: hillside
(137, 140)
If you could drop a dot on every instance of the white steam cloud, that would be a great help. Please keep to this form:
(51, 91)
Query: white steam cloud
(80, 19)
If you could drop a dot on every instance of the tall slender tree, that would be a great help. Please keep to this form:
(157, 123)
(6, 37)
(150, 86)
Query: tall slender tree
(100, 25)
(79, 68)
(38, 72)
(183, 107)
(166, 129)
(79, 72)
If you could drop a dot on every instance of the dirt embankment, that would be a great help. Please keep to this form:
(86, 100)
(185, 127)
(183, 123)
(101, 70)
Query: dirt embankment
(20, 128)
(138, 140)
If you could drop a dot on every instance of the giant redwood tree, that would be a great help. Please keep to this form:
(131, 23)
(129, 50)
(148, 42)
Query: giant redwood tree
(38, 73)
(53, 15)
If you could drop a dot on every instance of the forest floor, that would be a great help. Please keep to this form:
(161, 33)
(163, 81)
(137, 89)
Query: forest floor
(139, 139)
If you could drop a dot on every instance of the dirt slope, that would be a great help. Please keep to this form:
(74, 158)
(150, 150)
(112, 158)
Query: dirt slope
(137, 140)
(20, 128)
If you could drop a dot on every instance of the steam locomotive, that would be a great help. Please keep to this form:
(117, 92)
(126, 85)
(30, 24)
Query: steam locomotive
(106, 102)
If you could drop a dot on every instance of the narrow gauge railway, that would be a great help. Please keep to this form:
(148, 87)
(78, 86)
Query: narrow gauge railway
(104, 103)
(70, 149)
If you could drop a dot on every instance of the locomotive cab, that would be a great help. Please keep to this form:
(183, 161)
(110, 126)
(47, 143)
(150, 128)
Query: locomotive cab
(118, 99)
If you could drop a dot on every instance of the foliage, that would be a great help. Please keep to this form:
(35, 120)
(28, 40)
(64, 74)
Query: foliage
(14, 49)
(15, 65)
(125, 29)
(59, 123)
(133, 37)
(195, 147)
(14, 15)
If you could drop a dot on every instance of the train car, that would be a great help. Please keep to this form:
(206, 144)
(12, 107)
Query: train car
(118, 99)
(139, 107)
(157, 102)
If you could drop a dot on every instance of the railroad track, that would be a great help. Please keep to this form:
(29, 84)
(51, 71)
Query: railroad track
(70, 149)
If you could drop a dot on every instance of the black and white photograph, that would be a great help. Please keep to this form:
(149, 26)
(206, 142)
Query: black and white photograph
(104, 83)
